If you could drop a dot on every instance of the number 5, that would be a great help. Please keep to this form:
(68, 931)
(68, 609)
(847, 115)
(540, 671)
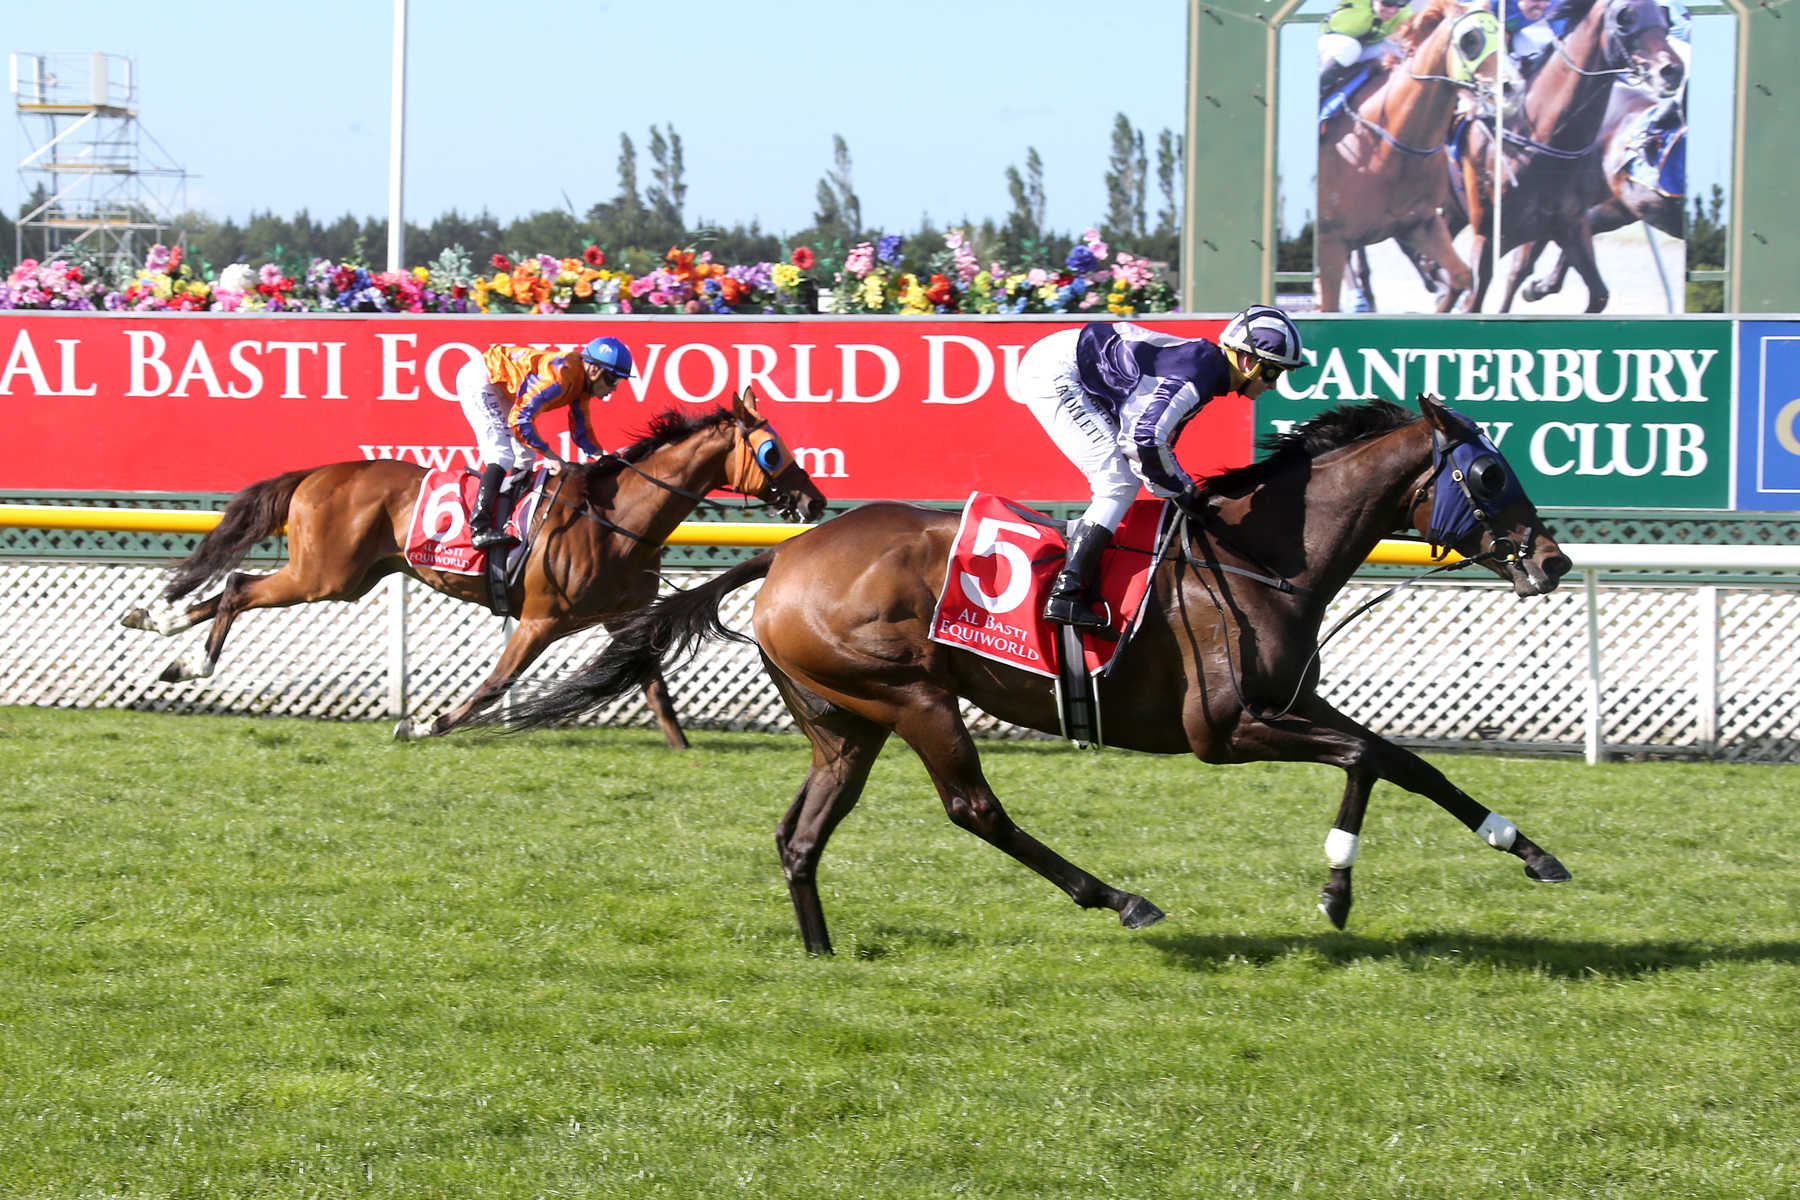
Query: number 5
(988, 543)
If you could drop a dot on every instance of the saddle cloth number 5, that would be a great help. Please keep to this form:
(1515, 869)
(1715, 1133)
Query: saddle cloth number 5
(443, 517)
(988, 543)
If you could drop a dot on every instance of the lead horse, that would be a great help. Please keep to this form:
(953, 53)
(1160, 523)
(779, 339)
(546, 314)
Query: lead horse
(1222, 666)
(594, 556)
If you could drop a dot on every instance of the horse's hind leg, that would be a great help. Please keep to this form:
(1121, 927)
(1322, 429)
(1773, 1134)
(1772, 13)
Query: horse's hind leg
(845, 747)
(174, 623)
(662, 707)
(935, 730)
(243, 592)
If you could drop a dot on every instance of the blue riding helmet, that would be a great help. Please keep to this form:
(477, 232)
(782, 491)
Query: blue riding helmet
(1267, 333)
(610, 353)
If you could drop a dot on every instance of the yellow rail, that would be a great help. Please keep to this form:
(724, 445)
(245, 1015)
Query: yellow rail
(691, 533)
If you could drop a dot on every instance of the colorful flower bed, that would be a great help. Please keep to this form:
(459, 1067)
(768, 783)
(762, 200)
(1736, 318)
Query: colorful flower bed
(869, 279)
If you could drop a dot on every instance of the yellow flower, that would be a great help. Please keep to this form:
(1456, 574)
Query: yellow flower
(872, 296)
(786, 276)
(503, 284)
(421, 274)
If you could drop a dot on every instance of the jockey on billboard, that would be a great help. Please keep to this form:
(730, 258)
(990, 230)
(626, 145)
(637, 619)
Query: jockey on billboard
(1355, 32)
(1114, 397)
(503, 395)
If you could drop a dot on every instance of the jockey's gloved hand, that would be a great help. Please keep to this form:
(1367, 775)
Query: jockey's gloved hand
(1192, 503)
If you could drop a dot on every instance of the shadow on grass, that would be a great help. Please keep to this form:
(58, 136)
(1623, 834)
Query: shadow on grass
(1550, 956)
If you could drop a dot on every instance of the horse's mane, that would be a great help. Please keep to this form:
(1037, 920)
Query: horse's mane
(1571, 11)
(665, 429)
(1418, 27)
(1333, 429)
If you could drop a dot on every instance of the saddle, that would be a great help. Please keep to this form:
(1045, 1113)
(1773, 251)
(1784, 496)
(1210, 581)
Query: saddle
(438, 536)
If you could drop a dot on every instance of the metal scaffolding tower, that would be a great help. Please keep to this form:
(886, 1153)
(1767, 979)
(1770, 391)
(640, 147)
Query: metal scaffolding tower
(94, 177)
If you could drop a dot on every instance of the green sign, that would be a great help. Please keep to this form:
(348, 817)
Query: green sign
(1600, 414)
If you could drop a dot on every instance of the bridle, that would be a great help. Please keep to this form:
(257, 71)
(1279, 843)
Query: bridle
(1620, 30)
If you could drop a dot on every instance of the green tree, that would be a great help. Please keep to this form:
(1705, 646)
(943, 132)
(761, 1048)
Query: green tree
(1706, 246)
(839, 216)
(668, 194)
(1126, 182)
(1021, 238)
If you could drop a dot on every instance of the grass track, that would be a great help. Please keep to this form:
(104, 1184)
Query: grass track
(274, 958)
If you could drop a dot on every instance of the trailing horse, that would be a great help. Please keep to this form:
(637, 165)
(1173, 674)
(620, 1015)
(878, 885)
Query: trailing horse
(1221, 666)
(594, 556)
(1381, 159)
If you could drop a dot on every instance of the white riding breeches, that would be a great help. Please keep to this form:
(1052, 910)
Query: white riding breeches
(1049, 384)
(485, 405)
(1346, 51)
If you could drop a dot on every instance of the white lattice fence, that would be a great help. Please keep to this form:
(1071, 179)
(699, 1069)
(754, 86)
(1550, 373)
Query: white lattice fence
(1444, 665)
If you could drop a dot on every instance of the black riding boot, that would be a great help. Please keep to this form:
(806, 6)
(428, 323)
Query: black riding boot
(488, 527)
(1069, 595)
(1329, 79)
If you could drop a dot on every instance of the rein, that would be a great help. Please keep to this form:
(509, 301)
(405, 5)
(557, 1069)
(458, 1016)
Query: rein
(739, 485)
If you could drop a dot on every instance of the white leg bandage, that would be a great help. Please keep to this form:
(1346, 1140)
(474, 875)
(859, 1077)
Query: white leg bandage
(1498, 832)
(1340, 848)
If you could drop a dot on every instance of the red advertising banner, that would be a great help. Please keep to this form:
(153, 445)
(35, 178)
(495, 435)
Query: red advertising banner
(903, 408)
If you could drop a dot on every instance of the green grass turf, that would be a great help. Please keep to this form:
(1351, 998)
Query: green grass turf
(254, 958)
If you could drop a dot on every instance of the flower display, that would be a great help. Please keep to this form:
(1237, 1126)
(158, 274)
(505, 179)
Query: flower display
(803, 258)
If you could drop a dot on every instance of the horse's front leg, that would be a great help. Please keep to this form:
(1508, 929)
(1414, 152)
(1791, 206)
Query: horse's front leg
(1430, 240)
(1521, 267)
(1332, 256)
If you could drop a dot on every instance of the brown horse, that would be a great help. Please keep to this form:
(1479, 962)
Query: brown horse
(1552, 137)
(1381, 160)
(594, 556)
(1222, 666)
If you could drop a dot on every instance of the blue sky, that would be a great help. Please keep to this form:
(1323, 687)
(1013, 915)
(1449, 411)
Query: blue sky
(285, 106)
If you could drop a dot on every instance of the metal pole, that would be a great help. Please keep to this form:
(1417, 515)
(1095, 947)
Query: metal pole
(1596, 748)
(1499, 140)
(396, 665)
(396, 255)
(1708, 650)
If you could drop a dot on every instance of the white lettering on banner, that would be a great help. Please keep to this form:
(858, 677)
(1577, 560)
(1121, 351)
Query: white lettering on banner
(1539, 460)
(1590, 375)
(984, 368)
(199, 366)
(1009, 355)
(434, 362)
(1514, 372)
(250, 371)
(1433, 359)
(147, 348)
(1621, 457)
(803, 377)
(1336, 374)
(987, 543)
(1472, 374)
(1284, 426)
(440, 458)
(1685, 456)
(392, 365)
(813, 460)
(721, 373)
(1784, 427)
(69, 386)
(890, 366)
(640, 383)
(1691, 372)
(1654, 379)
(334, 371)
(1284, 385)
(24, 361)
(292, 352)
(758, 375)
(1561, 367)
(1376, 363)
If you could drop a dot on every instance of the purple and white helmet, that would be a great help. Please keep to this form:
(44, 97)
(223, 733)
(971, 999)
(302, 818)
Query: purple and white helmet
(1267, 333)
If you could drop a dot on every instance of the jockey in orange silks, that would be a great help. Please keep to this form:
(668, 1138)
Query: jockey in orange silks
(502, 396)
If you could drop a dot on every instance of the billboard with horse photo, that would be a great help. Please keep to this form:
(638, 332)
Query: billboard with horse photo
(1579, 107)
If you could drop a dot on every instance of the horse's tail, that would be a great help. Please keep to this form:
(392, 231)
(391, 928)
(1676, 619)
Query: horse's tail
(257, 512)
(672, 627)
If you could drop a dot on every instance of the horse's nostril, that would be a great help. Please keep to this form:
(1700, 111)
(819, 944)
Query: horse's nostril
(1556, 566)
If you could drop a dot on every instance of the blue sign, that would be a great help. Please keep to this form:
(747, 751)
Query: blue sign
(1768, 466)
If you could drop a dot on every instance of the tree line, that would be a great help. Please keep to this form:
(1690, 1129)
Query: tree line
(648, 214)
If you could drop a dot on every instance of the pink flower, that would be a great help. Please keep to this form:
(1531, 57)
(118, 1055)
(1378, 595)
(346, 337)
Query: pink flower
(624, 305)
(659, 298)
(270, 274)
(860, 261)
(691, 307)
(1037, 277)
(1097, 247)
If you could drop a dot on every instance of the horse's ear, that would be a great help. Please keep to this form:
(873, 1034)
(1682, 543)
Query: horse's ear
(744, 407)
(1434, 411)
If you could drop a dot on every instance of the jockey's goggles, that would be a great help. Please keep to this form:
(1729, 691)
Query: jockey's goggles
(1268, 371)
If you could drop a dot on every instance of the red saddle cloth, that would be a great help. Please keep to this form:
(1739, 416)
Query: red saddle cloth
(439, 536)
(1003, 566)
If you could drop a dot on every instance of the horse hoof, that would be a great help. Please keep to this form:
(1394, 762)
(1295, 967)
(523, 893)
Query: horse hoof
(1547, 870)
(1140, 913)
(404, 732)
(1336, 910)
(137, 618)
(182, 670)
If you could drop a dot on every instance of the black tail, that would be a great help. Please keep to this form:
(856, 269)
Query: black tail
(673, 626)
(257, 512)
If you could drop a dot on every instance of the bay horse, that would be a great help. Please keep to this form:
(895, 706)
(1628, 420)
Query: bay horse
(1551, 137)
(593, 558)
(1220, 667)
(1381, 159)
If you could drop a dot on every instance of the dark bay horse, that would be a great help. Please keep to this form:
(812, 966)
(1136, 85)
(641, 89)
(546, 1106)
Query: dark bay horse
(1221, 667)
(594, 556)
(1381, 160)
(1550, 140)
